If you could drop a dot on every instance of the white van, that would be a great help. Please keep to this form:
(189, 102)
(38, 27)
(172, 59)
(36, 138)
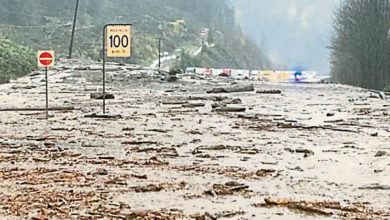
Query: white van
(190, 69)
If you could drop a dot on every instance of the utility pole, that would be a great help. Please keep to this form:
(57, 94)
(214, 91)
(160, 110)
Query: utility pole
(201, 51)
(159, 51)
(73, 29)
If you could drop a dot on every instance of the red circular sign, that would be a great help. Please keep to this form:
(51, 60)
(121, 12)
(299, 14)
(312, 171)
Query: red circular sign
(46, 58)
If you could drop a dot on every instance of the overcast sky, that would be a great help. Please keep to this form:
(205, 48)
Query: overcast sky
(294, 33)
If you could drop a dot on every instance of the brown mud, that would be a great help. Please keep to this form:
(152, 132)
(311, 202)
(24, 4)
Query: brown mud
(309, 151)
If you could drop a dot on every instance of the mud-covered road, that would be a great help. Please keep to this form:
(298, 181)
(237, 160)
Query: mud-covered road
(314, 151)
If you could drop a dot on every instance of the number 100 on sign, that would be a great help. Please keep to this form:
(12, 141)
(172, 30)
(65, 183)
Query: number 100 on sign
(118, 41)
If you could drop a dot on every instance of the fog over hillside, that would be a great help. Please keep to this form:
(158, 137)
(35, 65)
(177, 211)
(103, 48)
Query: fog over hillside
(294, 33)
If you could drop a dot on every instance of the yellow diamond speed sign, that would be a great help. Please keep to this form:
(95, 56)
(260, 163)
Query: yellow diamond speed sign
(118, 40)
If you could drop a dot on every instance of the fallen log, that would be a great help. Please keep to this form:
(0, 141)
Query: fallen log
(274, 91)
(138, 142)
(100, 96)
(175, 103)
(378, 92)
(193, 105)
(286, 126)
(37, 109)
(375, 186)
(304, 206)
(326, 208)
(309, 209)
(233, 88)
(211, 98)
(230, 109)
(94, 115)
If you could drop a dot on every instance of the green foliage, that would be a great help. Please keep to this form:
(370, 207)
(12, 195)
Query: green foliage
(46, 24)
(15, 60)
(361, 43)
(187, 60)
(228, 54)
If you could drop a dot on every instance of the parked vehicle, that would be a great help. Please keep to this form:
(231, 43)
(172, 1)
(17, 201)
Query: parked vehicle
(263, 75)
(199, 70)
(190, 69)
(226, 72)
(208, 71)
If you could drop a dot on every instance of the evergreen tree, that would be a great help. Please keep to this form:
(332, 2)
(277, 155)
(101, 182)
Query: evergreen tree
(361, 45)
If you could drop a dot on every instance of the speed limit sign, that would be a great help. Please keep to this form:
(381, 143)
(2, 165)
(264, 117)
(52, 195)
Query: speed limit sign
(116, 43)
(118, 40)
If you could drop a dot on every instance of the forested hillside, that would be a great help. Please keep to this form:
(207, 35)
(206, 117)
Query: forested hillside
(15, 60)
(361, 43)
(47, 24)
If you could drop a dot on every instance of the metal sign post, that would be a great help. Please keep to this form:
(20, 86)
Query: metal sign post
(117, 38)
(47, 96)
(104, 70)
(46, 59)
